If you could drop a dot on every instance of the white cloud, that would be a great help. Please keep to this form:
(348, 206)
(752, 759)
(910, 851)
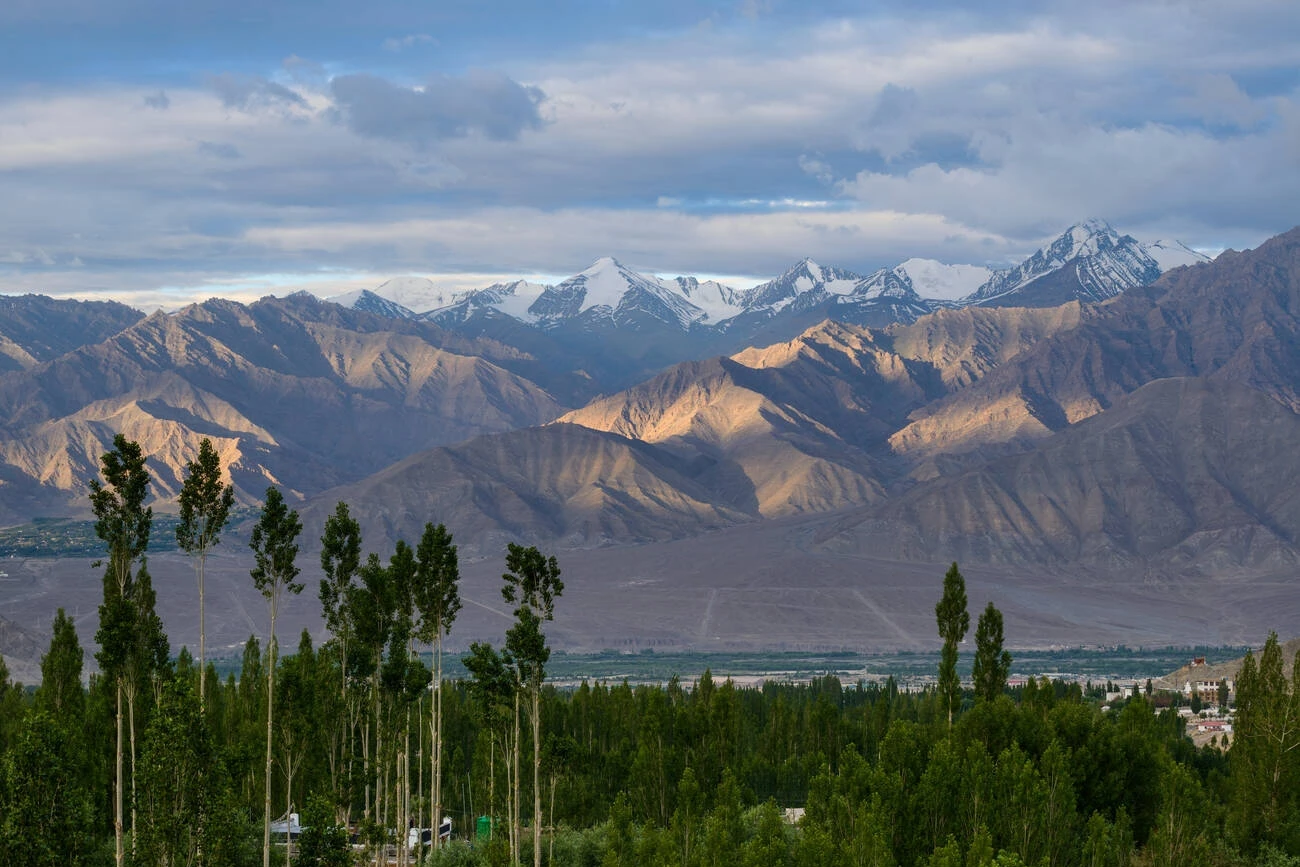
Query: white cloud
(721, 149)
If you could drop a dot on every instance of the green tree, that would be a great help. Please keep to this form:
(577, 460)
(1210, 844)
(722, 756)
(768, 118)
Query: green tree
(437, 597)
(992, 663)
(533, 582)
(123, 523)
(324, 843)
(1265, 759)
(45, 811)
(187, 815)
(275, 549)
(205, 503)
(494, 689)
(954, 621)
(340, 561)
(61, 693)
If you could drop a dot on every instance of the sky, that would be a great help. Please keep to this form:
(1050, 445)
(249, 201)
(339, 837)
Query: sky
(159, 152)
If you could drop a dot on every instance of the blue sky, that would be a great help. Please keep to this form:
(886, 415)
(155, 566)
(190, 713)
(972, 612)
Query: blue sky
(155, 151)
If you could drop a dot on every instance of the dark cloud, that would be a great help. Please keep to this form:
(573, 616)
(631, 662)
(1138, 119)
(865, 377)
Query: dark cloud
(158, 100)
(252, 91)
(894, 104)
(447, 107)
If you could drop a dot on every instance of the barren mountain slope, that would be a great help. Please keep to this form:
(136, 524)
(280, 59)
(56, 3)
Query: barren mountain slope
(559, 484)
(1233, 316)
(34, 328)
(1190, 472)
(301, 399)
(796, 420)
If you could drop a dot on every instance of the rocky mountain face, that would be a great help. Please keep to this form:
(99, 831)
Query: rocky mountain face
(1139, 430)
(1088, 262)
(1148, 427)
(1158, 428)
(800, 427)
(292, 391)
(36, 329)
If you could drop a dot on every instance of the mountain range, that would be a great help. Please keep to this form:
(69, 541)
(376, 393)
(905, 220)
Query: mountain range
(1126, 424)
(1090, 261)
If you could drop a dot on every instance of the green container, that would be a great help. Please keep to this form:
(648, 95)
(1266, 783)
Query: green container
(483, 829)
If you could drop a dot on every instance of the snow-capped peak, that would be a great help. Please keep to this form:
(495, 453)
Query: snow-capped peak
(370, 302)
(719, 302)
(1172, 254)
(936, 281)
(1105, 263)
(419, 294)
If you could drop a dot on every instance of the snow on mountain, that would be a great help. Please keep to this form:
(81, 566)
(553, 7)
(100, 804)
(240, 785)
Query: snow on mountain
(804, 278)
(370, 302)
(419, 294)
(885, 283)
(936, 281)
(610, 289)
(512, 299)
(1089, 261)
(1172, 254)
(719, 302)
(1104, 264)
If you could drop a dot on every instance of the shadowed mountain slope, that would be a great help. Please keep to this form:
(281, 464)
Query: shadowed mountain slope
(1233, 318)
(35, 329)
(1187, 471)
(559, 484)
(293, 392)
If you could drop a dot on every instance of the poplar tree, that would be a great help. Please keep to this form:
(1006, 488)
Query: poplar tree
(275, 548)
(533, 582)
(123, 523)
(205, 503)
(494, 686)
(61, 692)
(340, 561)
(437, 596)
(992, 663)
(1265, 753)
(954, 621)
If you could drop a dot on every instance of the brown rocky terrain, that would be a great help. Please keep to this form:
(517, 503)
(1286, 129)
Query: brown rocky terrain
(294, 392)
(1191, 472)
(557, 485)
(35, 329)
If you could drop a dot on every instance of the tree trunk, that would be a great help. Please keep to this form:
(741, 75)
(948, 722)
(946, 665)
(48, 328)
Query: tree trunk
(270, 702)
(130, 709)
(117, 795)
(550, 855)
(435, 742)
(419, 777)
(288, 807)
(515, 825)
(537, 775)
(203, 666)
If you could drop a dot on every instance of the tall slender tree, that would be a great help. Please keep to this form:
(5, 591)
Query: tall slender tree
(275, 549)
(205, 508)
(992, 663)
(123, 523)
(954, 621)
(61, 693)
(437, 596)
(533, 583)
(494, 686)
(340, 561)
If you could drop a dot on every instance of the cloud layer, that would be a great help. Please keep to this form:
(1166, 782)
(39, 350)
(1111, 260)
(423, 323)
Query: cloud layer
(728, 139)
